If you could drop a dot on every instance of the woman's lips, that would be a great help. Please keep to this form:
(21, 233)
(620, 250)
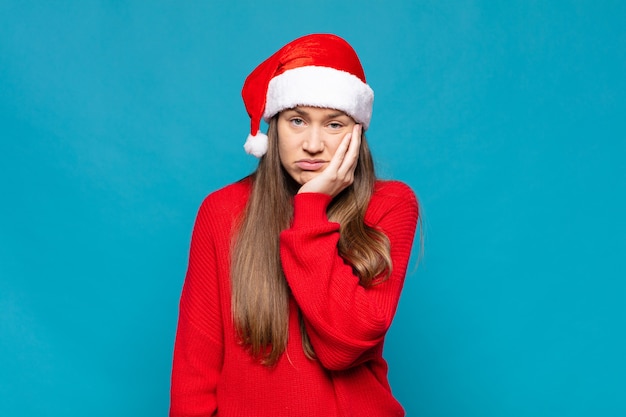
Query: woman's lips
(310, 164)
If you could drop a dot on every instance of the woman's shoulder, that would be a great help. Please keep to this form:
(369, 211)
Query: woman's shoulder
(229, 199)
(392, 197)
(393, 190)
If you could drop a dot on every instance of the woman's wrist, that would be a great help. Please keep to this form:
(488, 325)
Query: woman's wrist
(310, 208)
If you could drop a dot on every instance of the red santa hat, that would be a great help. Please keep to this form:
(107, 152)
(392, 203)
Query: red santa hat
(318, 70)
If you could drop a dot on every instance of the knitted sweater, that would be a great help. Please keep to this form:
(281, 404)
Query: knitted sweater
(213, 374)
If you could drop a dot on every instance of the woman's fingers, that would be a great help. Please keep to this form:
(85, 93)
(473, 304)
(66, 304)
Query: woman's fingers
(340, 153)
(351, 156)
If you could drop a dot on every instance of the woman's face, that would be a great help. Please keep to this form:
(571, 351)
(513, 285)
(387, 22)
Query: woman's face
(308, 138)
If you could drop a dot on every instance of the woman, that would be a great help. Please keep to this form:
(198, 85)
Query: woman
(295, 271)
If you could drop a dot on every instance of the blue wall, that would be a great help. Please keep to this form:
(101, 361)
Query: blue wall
(507, 118)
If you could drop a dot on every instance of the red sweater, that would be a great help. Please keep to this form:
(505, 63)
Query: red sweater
(213, 374)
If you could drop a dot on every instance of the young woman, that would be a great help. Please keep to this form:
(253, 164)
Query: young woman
(295, 272)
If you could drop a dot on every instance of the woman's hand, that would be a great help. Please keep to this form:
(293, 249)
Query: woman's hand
(339, 173)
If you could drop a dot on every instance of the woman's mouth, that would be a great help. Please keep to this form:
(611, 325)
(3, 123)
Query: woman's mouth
(310, 164)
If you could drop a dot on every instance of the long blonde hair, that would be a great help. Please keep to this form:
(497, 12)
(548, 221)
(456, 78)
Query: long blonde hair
(260, 294)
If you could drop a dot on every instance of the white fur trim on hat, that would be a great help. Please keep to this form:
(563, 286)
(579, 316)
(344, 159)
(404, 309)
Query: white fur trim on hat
(320, 87)
(256, 145)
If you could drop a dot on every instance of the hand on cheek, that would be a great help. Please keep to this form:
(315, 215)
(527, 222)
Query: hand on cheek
(339, 173)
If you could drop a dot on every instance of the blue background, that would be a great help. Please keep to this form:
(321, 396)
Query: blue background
(507, 118)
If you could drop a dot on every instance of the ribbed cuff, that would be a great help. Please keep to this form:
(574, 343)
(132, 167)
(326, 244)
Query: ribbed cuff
(310, 209)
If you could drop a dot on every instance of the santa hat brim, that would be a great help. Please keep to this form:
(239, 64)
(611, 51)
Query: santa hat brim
(320, 87)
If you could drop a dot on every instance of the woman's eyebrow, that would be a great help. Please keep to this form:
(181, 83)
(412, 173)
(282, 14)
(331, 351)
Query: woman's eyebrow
(302, 112)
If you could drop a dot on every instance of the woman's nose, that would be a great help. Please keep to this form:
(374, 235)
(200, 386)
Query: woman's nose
(314, 143)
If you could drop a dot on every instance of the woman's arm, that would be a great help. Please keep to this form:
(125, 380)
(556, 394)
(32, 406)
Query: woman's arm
(345, 321)
(198, 350)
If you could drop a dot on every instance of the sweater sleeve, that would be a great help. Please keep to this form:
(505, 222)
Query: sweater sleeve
(346, 322)
(198, 350)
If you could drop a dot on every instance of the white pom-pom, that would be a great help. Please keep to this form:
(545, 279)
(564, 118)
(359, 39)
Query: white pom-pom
(256, 145)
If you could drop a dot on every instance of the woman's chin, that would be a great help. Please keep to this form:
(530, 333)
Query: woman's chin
(306, 176)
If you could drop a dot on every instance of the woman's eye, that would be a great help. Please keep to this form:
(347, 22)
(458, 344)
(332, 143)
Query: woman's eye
(335, 125)
(297, 122)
